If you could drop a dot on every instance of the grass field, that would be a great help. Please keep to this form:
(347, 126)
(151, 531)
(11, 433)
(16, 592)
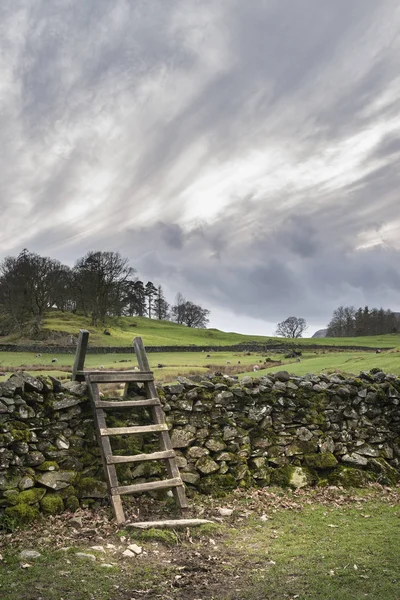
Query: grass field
(326, 544)
(165, 333)
(347, 362)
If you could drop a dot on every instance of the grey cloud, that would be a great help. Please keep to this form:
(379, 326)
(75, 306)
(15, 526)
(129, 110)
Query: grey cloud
(95, 114)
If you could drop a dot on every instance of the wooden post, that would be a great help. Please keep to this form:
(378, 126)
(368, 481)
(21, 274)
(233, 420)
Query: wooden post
(80, 356)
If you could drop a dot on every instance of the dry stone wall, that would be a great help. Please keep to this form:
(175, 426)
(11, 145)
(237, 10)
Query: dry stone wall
(275, 430)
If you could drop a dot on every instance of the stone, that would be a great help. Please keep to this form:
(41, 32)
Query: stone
(29, 555)
(304, 434)
(75, 387)
(197, 452)
(229, 433)
(182, 438)
(189, 477)
(57, 480)
(206, 465)
(135, 548)
(327, 445)
(215, 444)
(299, 478)
(76, 522)
(355, 459)
(177, 388)
(62, 443)
(31, 384)
(86, 556)
(65, 403)
(34, 459)
(26, 483)
(128, 554)
(282, 376)
(367, 450)
(225, 512)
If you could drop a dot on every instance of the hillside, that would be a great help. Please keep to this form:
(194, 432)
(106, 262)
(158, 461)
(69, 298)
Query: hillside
(59, 326)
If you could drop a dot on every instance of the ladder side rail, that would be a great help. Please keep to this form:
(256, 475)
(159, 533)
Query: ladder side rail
(159, 418)
(105, 451)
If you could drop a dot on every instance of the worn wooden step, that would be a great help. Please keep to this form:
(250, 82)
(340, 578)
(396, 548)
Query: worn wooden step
(119, 376)
(147, 487)
(114, 460)
(106, 431)
(128, 403)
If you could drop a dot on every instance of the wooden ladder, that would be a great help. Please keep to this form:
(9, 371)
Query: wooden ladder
(103, 433)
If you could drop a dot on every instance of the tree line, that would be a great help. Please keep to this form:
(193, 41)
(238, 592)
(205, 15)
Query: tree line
(348, 321)
(99, 285)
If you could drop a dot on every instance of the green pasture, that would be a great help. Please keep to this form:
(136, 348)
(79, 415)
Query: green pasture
(164, 333)
(348, 362)
(173, 363)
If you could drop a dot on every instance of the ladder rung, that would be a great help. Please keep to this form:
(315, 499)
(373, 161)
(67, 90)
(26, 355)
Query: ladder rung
(136, 429)
(128, 403)
(113, 460)
(119, 376)
(146, 487)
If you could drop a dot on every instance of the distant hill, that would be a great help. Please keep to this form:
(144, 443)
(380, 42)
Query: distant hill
(321, 333)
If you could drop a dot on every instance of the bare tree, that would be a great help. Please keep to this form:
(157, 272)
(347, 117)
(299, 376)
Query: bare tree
(292, 327)
(188, 313)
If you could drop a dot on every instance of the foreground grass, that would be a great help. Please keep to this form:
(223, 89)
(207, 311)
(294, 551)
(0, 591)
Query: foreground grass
(311, 545)
(325, 553)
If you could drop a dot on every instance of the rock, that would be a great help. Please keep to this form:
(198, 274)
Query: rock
(225, 512)
(327, 445)
(355, 459)
(65, 403)
(75, 387)
(299, 478)
(304, 434)
(282, 376)
(31, 384)
(206, 465)
(62, 443)
(177, 388)
(189, 477)
(136, 549)
(215, 444)
(57, 480)
(29, 555)
(367, 450)
(182, 438)
(33, 459)
(76, 522)
(229, 433)
(26, 483)
(128, 553)
(98, 549)
(197, 452)
(86, 556)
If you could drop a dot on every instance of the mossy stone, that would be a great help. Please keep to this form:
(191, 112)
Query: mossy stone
(71, 503)
(48, 465)
(323, 460)
(350, 477)
(31, 496)
(52, 504)
(22, 513)
(217, 485)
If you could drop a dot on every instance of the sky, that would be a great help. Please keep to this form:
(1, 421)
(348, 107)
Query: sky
(245, 154)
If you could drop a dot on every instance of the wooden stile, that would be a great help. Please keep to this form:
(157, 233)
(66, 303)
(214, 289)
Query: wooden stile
(103, 433)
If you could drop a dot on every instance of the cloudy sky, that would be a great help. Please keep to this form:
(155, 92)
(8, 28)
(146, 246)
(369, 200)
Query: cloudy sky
(244, 153)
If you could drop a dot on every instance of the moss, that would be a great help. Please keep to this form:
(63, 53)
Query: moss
(32, 496)
(282, 475)
(48, 465)
(21, 435)
(324, 460)
(165, 536)
(52, 504)
(72, 503)
(350, 477)
(22, 513)
(386, 474)
(217, 485)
